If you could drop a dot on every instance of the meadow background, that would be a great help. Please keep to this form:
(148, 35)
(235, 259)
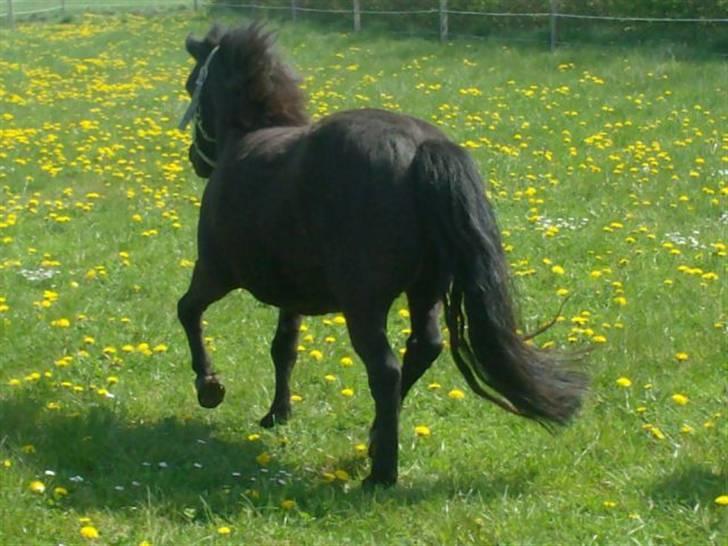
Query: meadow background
(608, 168)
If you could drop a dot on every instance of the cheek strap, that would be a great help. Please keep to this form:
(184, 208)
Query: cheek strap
(195, 102)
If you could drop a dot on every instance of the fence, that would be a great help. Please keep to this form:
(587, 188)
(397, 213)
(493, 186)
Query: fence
(439, 9)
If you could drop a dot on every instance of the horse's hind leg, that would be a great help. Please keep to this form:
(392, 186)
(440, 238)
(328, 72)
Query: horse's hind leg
(204, 290)
(369, 339)
(284, 353)
(424, 345)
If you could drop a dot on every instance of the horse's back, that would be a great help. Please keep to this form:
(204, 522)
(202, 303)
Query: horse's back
(359, 197)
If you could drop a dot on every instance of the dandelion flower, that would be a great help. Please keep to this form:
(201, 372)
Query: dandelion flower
(342, 475)
(348, 392)
(288, 504)
(224, 530)
(433, 386)
(423, 431)
(59, 492)
(456, 394)
(316, 355)
(263, 459)
(360, 448)
(680, 399)
(681, 356)
(37, 486)
(721, 500)
(624, 382)
(346, 361)
(89, 532)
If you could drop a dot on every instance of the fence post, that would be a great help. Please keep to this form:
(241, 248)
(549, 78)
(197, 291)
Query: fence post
(294, 15)
(443, 20)
(357, 16)
(553, 16)
(10, 16)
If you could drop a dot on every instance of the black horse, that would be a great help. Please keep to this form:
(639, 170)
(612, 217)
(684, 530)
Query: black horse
(346, 214)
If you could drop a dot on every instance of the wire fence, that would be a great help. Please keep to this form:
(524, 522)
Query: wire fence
(439, 12)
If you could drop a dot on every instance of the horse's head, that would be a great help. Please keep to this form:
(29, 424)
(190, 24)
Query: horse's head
(238, 83)
(201, 110)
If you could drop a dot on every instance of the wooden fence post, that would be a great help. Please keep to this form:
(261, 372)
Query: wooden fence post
(553, 16)
(294, 15)
(10, 16)
(357, 16)
(443, 20)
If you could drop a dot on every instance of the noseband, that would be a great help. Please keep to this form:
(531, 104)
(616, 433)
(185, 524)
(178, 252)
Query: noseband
(194, 111)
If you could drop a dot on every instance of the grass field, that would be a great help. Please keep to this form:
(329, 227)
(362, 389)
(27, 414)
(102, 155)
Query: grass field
(609, 173)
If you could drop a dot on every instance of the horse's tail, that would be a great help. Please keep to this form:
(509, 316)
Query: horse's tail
(495, 360)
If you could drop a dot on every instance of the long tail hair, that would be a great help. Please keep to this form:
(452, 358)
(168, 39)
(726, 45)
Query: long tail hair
(494, 359)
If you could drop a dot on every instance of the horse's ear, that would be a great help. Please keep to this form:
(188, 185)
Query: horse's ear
(195, 47)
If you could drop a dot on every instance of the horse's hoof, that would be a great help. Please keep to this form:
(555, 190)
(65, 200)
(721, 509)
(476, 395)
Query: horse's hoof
(210, 392)
(372, 482)
(274, 418)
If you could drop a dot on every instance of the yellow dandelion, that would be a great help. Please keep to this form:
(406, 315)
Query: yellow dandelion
(624, 382)
(423, 431)
(89, 532)
(361, 449)
(346, 361)
(288, 504)
(348, 392)
(37, 486)
(557, 270)
(722, 500)
(680, 399)
(224, 530)
(296, 398)
(681, 356)
(61, 323)
(342, 475)
(456, 394)
(59, 492)
(316, 355)
(434, 386)
(263, 459)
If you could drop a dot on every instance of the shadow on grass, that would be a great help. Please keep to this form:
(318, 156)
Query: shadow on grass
(689, 486)
(188, 470)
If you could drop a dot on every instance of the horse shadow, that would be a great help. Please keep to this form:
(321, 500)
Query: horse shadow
(190, 469)
(691, 485)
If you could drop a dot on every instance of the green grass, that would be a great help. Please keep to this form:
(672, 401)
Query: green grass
(625, 152)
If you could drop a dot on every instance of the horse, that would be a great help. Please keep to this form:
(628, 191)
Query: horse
(344, 215)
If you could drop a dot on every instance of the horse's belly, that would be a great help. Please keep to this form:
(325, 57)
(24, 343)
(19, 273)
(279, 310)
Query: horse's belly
(302, 292)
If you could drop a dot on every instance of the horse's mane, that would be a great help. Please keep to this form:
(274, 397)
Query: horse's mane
(267, 88)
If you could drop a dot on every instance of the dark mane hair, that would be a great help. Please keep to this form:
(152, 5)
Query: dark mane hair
(267, 89)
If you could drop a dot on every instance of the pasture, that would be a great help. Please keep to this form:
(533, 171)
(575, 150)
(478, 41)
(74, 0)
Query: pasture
(608, 169)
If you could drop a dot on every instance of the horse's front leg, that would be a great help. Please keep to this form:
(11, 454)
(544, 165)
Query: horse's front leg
(369, 339)
(283, 352)
(204, 290)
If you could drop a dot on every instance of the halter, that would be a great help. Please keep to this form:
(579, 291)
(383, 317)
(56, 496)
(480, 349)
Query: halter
(193, 111)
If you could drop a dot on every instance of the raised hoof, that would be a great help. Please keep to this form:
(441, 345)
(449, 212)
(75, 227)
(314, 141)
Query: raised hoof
(273, 419)
(210, 392)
